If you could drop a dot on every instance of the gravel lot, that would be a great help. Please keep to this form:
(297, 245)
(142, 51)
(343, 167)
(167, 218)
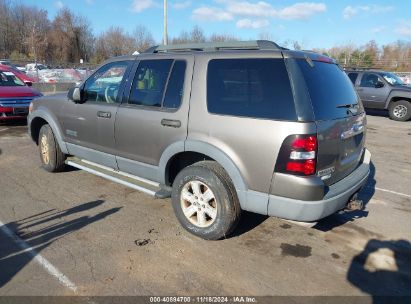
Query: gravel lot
(78, 234)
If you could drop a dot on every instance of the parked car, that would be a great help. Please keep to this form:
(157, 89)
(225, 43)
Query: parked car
(219, 127)
(8, 63)
(405, 77)
(15, 96)
(383, 90)
(30, 67)
(22, 76)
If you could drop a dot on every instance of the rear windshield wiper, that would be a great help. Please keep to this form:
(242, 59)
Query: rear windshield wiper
(351, 107)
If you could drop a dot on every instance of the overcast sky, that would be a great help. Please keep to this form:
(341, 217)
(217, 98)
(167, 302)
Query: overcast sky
(314, 23)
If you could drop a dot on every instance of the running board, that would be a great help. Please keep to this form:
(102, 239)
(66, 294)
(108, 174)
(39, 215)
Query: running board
(135, 182)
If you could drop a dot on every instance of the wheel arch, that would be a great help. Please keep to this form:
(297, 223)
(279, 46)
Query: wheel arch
(396, 96)
(197, 151)
(40, 117)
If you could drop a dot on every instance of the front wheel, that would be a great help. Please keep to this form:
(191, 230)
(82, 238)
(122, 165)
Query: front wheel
(52, 159)
(400, 110)
(205, 202)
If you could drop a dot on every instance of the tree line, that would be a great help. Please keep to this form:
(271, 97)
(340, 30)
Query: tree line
(27, 33)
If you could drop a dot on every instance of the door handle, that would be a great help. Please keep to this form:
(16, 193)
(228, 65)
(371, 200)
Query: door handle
(171, 123)
(103, 114)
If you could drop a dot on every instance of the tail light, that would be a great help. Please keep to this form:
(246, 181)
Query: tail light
(298, 155)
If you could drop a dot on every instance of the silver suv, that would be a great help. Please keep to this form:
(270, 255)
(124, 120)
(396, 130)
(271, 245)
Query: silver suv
(219, 127)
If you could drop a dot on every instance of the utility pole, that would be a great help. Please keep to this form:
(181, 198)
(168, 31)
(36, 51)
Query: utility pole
(165, 38)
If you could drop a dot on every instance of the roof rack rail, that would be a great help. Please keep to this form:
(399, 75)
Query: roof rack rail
(216, 46)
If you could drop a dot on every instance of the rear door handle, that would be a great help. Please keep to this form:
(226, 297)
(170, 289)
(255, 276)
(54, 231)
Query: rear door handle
(103, 114)
(171, 123)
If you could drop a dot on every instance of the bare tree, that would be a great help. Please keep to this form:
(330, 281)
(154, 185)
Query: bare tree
(143, 38)
(115, 42)
(70, 37)
(195, 35)
(222, 37)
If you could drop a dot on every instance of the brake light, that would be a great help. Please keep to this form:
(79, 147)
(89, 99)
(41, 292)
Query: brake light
(307, 167)
(307, 143)
(298, 155)
(324, 59)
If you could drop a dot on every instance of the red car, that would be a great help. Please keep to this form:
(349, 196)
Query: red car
(15, 97)
(27, 79)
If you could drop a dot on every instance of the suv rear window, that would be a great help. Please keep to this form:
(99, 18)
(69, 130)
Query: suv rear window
(257, 88)
(329, 87)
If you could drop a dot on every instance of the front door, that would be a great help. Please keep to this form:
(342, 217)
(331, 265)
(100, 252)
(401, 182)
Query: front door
(153, 115)
(89, 126)
(373, 91)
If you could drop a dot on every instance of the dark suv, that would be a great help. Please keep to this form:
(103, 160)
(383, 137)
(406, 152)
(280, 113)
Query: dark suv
(219, 127)
(383, 90)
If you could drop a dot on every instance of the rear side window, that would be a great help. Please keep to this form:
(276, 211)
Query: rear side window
(158, 83)
(353, 77)
(329, 88)
(150, 82)
(257, 88)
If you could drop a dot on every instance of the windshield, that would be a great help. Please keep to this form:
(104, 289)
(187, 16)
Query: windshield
(392, 79)
(8, 79)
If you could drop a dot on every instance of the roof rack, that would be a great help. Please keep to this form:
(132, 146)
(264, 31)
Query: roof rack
(216, 46)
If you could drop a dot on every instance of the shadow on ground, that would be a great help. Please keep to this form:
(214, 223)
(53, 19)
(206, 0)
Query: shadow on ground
(16, 254)
(383, 270)
(338, 219)
(248, 222)
(377, 112)
(16, 122)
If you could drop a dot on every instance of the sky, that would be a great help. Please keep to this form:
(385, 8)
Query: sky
(314, 24)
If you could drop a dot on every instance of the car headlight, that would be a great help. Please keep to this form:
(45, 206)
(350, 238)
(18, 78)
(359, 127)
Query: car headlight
(31, 107)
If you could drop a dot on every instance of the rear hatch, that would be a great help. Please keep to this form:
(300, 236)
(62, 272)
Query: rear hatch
(339, 116)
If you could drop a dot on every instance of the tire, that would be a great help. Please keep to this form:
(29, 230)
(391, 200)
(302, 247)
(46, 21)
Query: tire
(400, 110)
(215, 214)
(52, 159)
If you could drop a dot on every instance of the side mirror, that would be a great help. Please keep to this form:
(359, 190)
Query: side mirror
(379, 84)
(74, 94)
(29, 83)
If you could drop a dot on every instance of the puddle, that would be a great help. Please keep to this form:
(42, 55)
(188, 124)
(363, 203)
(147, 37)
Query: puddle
(297, 250)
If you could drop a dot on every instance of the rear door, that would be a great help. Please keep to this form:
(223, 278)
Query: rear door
(153, 114)
(339, 116)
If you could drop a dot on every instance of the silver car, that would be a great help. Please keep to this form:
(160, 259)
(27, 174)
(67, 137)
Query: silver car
(219, 127)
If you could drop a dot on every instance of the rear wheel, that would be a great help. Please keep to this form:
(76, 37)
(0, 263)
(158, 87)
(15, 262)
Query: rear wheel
(400, 110)
(52, 159)
(205, 202)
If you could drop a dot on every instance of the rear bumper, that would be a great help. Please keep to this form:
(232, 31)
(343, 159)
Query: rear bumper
(335, 199)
